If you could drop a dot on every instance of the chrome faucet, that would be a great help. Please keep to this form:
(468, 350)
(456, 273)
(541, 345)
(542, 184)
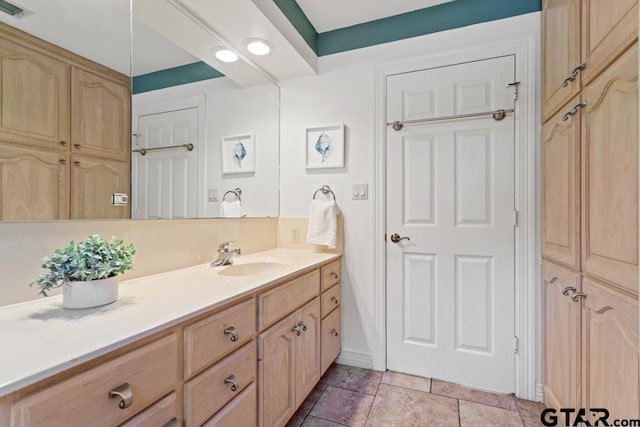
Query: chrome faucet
(225, 255)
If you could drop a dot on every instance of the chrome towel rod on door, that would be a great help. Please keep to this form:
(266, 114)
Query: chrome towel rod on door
(144, 151)
(497, 115)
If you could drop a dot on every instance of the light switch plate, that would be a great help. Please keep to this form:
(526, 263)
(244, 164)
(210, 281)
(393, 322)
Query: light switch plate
(212, 195)
(360, 191)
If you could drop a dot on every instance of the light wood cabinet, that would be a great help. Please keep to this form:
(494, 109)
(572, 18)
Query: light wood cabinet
(34, 183)
(241, 411)
(307, 361)
(561, 51)
(561, 188)
(331, 339)
(561, 336)
(101, 112)
(148, 373)
(34, 96)
(160, 414)
(93, 181)
(608, 28)
(610, 174)
(282, 300)
(610, 354)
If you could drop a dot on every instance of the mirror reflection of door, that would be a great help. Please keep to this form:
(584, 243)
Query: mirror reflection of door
(165, 180)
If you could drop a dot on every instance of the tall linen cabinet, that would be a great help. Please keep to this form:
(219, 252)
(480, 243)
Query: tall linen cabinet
(590, 206)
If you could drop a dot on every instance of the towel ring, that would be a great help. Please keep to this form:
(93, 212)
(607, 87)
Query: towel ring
(325, 189)
(237, 192)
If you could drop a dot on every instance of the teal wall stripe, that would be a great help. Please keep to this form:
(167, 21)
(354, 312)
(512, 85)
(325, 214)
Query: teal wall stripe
(298, 19)
(174, 76)
(455, 14)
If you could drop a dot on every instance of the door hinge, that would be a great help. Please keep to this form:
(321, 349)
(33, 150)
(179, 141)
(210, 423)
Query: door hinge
(515, 86)
(515, 217)
(516, 345)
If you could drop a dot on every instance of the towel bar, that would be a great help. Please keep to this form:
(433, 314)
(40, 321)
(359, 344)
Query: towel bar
(325, 189)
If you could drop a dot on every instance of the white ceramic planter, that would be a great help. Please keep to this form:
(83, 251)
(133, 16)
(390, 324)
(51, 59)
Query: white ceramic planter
(90, 294)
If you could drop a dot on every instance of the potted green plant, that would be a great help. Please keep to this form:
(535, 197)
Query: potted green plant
(88, 270)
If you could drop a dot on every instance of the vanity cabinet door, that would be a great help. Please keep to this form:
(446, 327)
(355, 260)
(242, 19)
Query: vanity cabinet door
(331, 339)
(93, 181)
(34, 96)
(308, 350)
(33, 183)
(101, 116)
(276, 373)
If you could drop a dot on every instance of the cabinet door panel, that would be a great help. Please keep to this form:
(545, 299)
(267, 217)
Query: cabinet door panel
(93, 181)
(33, 183)
(34, 97)
(561, 188)
(608, 28)
(276, 367)
(610, 352)
(331, 339)
(101, 116)
(308, 350)
(561, 335)
(610, 174)
(561, 51)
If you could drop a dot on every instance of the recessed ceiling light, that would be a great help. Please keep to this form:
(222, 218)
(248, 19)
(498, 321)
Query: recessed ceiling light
(226, 55)
(259, 47)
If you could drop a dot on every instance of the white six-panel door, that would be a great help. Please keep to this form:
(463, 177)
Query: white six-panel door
(164, 183)
(450, 189)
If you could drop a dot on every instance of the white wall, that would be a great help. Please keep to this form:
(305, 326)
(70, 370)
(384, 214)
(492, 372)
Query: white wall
(231, 110)
(344, 92)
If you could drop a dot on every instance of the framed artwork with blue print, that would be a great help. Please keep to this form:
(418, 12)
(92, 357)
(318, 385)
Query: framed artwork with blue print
(325, 147)
(238, 154)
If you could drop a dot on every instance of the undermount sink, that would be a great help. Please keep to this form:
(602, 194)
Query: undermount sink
(251, 269)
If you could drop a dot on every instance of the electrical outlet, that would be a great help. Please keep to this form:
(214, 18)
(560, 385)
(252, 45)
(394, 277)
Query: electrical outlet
(212, 195)
(295, 235)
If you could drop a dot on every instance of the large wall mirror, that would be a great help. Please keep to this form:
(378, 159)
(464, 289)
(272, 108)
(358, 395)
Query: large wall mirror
(79, 140)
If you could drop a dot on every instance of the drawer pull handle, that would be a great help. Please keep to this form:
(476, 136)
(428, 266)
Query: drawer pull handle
(334, 274)
(173, 422)
(76, 146)
(334, 300)
(62, 161)
(231, 379)
(231, 331)
(63, 143)
(568, 289)
(296, 329)
(334, 332)
(303, 326)
(553, 280)
(574, 110)
(123, 392)
(574, 74)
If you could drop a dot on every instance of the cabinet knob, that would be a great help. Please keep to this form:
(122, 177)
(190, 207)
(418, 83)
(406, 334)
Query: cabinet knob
(63, 143)
(568, 289)
(62, 161)
(173, 422)
(77, 146)
(334, 274)
(124, 393)
(231, 379)
(574, 74)
(334, 332)
(231, 331)
(334, 300)
(77, 163)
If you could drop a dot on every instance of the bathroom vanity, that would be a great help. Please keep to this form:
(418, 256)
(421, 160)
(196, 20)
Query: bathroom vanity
(239, 345)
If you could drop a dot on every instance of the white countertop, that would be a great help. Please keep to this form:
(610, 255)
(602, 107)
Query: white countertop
(40, 338)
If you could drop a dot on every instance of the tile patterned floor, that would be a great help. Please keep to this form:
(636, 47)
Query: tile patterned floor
(348, 396)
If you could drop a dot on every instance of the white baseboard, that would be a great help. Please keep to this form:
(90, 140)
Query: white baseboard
(539, 397)
(356, 358)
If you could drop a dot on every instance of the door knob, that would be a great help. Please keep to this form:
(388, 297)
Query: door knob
(395, 238)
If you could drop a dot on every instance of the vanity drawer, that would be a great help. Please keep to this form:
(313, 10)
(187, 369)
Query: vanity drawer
(330, 275)
(206, 341)
(241, 411)
(208, 392)
(330, 300)
(284, 299)
(331, 339)
(161, 414)
(83, 400)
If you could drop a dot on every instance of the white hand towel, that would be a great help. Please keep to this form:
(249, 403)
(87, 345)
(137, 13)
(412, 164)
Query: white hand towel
(232, 209)
(323, 223)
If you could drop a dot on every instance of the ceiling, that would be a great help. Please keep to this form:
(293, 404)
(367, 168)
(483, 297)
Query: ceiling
(327, 15)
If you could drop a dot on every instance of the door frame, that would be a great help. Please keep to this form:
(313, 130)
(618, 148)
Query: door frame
(199, 103)
(527, 302)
